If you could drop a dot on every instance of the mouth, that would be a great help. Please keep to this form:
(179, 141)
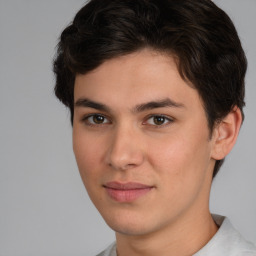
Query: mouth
(126, 192)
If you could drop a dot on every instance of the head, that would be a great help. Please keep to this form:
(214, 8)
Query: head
(197, 34)
(155, 90)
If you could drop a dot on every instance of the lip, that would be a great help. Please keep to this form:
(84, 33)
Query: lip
(126, 192)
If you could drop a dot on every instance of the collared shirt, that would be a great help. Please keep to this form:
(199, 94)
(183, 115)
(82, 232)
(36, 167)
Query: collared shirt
(226, 242)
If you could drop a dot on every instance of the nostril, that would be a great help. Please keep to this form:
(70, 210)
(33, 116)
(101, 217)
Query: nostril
(122, 167)
(124, 160)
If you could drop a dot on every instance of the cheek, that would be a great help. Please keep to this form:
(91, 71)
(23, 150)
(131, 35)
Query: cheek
(181, 157)
(182, 165)
(88, 152)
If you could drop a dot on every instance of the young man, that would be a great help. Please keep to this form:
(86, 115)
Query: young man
(156, 94)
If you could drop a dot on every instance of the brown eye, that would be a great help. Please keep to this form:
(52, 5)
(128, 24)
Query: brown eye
(96, 119)
(159, 120)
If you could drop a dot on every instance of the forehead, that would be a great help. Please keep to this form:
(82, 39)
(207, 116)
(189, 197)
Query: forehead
(135, 78)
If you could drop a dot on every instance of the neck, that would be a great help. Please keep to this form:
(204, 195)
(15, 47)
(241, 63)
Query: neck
(181, 239)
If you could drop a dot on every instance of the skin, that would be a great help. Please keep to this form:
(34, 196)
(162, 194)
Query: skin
(166, 146)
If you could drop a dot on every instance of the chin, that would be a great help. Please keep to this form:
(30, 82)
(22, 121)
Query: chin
(130, 223)
(125, 222)
(129, 230)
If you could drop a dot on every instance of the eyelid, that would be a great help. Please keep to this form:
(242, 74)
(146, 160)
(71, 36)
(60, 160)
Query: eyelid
(168, 118)
(85, 118)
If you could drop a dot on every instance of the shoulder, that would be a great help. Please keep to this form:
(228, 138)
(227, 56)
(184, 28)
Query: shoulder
(227, 241)
(110, 251)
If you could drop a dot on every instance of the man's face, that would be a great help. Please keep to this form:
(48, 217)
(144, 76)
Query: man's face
(142, 143)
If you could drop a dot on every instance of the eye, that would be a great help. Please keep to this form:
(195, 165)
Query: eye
(96, 119)
(159, 120)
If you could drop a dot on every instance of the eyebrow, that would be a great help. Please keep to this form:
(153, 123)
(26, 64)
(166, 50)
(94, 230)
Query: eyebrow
(84, 102)
(157, 104)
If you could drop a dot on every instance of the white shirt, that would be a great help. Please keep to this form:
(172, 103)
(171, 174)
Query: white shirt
(226, 242)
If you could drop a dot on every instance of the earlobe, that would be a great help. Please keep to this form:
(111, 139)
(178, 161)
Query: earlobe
(225, 134)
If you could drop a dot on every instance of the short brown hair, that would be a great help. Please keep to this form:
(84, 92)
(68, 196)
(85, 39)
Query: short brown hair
(198, 33)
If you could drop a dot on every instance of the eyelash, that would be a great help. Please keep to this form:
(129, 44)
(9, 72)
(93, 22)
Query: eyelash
(166, 120)
(86, 118)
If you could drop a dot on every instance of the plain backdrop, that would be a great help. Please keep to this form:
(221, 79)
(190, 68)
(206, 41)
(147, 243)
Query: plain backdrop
(44, 208)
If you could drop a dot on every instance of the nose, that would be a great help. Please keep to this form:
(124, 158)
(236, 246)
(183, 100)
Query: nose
(125, 150)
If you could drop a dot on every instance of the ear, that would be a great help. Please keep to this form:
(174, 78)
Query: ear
(225, 134)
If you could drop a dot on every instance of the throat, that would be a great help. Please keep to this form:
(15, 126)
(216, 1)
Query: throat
(176, 240)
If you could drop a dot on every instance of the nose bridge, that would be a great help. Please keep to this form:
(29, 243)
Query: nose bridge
(125, 150)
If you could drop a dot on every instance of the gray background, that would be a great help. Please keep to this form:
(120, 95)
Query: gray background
(45, 210)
